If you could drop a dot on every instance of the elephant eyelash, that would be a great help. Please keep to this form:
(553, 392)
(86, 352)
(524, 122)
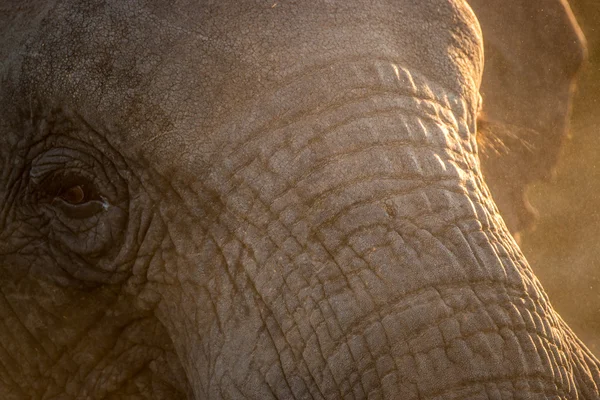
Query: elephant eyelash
(499, 138)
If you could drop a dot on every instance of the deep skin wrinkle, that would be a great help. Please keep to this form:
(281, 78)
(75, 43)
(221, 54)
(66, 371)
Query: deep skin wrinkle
(279, 201)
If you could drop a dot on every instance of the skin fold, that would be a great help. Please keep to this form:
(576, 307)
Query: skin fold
(259, 200)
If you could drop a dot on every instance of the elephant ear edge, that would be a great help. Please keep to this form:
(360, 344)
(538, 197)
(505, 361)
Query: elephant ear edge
(534, 51)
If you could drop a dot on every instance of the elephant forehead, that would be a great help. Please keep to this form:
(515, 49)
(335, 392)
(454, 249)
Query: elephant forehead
(174, 72)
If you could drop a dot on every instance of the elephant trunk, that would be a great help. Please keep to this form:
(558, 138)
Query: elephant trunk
(363, 255)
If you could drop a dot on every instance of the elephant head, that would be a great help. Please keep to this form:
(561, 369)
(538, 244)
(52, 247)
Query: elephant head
(226, 200)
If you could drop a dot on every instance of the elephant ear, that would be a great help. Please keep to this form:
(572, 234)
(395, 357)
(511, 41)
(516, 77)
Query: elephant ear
(533, 52)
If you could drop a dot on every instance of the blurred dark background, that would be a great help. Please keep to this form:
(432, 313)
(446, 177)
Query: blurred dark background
(564, 248)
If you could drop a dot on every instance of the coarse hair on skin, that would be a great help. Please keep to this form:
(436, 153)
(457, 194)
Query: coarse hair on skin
(500, 138)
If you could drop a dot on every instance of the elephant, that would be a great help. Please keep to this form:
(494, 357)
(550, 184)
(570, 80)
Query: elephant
(259, 200)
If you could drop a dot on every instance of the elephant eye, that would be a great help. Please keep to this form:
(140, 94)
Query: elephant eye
(73, 195)
(69, 185)
(71, 188)
(77, 194)
(76, 198)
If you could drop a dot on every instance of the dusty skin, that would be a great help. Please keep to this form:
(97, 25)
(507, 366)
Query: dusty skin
(259, 200)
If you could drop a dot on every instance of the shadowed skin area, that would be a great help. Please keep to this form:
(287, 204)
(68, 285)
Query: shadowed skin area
(259, 200)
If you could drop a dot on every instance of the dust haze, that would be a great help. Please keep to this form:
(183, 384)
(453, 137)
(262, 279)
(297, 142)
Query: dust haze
(564, 248)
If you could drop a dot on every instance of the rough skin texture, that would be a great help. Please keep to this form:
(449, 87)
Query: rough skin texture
(258, 200)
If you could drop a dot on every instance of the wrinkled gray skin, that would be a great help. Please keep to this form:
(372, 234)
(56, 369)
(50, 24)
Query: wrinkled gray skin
(259, 200)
